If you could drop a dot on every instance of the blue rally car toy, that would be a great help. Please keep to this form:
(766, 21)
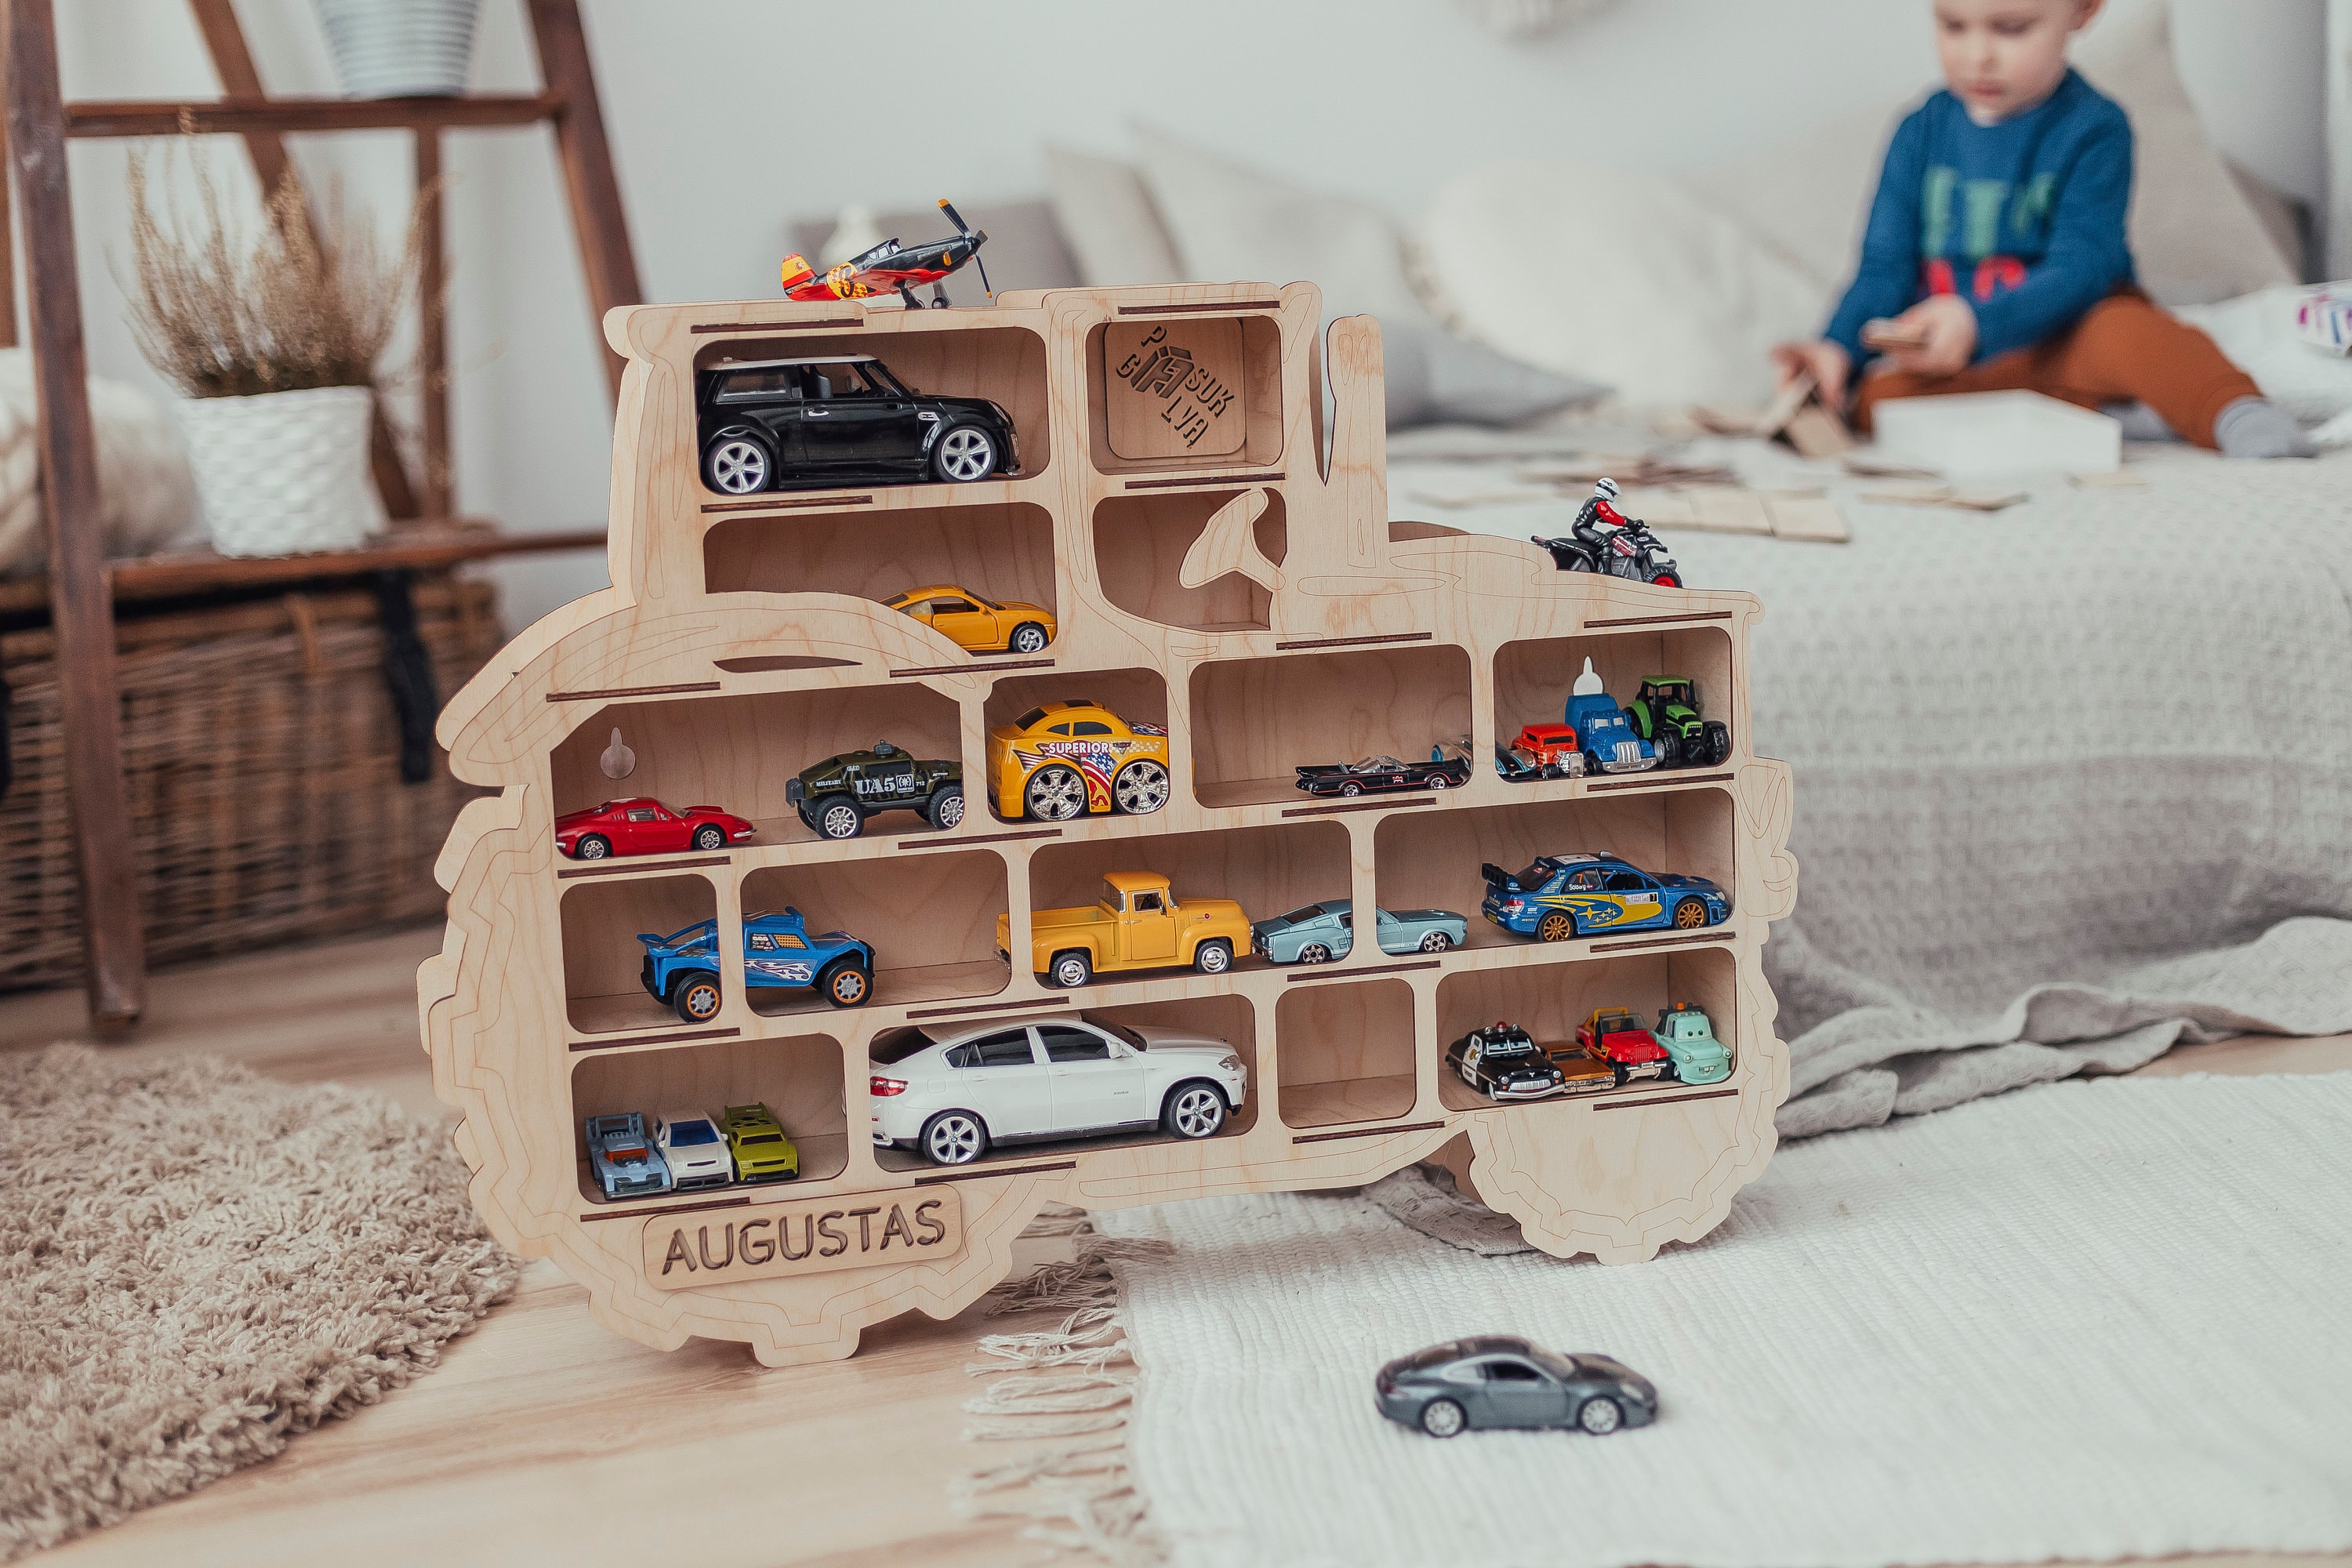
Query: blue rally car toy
(627, 1163)
(682, 968)
(1564, 896)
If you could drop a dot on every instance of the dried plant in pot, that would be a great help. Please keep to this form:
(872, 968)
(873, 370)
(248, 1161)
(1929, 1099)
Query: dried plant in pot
(273, 339)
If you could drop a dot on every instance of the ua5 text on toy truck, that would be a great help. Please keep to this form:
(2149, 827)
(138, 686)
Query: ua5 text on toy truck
(836, 796)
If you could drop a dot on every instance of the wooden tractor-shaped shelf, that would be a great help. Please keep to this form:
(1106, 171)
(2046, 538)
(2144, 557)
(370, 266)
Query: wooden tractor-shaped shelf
(1218, 563)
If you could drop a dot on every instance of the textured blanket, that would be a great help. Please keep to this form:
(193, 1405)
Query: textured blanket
(2038, 1327)
(2073, 780)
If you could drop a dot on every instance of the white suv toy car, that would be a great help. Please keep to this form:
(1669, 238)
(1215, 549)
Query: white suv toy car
(954, 1093)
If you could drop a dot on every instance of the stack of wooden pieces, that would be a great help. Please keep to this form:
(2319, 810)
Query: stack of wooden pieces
(1733, 509)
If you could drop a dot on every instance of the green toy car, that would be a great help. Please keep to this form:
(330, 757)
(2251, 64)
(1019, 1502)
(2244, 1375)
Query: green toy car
(756, 1138)
(836, 796)
(1666, 714)
(1689, 1039)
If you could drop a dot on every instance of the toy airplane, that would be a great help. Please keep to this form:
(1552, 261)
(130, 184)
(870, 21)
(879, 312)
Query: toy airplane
(889, 266)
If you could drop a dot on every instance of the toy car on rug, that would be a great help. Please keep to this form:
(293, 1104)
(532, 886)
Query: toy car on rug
(1060, 759)
(976, 623)
(1136, 923)
(1558, 897)
(1326, 932)
(1688, 1036)
(681, 970)
(836, 796)
(1615, 1038)
(758, 1145)
(1376, 775)
(1502, 1061)
(1666, 712)
(840, 419)
(623, 1158)
(954, 1092)
(1501, 1380)
(642, 826)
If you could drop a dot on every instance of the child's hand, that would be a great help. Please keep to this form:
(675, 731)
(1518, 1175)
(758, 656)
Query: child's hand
(1945, 327)
(1826, 362)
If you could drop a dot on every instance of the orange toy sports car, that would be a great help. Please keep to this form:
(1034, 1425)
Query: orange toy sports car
(1064, 758)
(978, 624)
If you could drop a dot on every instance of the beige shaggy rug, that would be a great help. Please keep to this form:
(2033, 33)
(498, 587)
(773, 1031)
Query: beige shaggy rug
(196, 1264)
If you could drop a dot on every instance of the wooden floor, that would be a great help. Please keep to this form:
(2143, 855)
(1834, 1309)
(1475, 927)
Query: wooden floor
(545, 1439)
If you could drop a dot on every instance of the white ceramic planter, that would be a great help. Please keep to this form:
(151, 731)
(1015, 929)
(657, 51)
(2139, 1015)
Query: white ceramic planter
(286, 473)
(400, 49)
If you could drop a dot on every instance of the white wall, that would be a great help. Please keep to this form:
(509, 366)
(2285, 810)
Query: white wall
(731, 118)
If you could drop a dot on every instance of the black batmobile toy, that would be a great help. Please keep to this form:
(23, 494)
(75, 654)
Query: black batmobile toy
(1383, 772)
(840, 419)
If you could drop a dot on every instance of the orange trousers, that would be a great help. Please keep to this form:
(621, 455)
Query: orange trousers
(2125, 349)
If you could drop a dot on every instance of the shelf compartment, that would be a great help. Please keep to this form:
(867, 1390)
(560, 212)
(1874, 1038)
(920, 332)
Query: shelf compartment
(1266, 870)
(1344, 1053)
(1551, 1000)
(1256, 720)
(1004, 551)
(603, 959)
(930, 919)
(1533, 678)
(739, 753)
(798, 1078)
(1141, 542)
(1431, 859)
(1229, 1018)
(1204, 392)
(1004, 364)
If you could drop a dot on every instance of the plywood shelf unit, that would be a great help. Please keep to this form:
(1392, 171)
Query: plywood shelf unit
(1222, 562)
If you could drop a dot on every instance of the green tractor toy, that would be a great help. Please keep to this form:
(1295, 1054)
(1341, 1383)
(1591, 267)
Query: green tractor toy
(1666, 714)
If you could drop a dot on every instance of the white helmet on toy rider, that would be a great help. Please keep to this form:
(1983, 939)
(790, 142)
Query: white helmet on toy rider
(1604, 489)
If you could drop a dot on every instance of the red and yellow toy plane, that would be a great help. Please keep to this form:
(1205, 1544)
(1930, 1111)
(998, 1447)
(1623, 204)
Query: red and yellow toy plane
(891, 266)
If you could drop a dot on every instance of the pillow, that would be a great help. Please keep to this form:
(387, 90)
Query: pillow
(1106, 214)
(146, 491)
(1229, 222)
(2258, 332)
(1639, 284)
(2194, 234)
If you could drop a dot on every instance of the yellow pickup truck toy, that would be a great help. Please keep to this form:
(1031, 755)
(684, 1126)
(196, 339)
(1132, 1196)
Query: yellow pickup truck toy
(1137, 925)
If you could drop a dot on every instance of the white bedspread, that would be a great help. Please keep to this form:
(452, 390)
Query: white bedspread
(2073, 780)
(2038, 1327)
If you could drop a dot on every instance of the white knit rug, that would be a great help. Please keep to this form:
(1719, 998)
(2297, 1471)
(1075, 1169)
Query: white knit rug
(2086, 1321)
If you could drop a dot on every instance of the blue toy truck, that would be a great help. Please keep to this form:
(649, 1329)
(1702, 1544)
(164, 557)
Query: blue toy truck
(682, 968)
(1605, 735)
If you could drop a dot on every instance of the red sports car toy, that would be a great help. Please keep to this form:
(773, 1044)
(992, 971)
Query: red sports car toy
(1616, 1038)
(889, 266)
(646, 827)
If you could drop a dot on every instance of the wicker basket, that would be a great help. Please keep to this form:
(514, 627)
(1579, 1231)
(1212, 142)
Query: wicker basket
(262, 760)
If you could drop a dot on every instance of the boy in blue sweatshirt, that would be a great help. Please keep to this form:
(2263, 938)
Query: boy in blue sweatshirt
(1995, 257)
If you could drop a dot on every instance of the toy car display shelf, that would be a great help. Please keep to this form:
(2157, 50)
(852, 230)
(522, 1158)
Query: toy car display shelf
(1218, 562)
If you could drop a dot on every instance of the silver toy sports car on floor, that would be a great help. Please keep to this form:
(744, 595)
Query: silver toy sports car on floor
(1321, 933)
(1501, 1380)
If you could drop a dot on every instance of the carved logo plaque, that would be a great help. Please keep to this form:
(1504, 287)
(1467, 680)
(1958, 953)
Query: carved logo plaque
(770, 1241)
(1174, 388)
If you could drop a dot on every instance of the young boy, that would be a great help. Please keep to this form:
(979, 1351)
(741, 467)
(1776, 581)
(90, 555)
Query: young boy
(1995, 257)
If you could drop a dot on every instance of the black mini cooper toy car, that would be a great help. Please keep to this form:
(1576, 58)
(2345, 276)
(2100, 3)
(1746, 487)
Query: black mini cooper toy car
(836, 796)
(842, 419)
(1501, 1380)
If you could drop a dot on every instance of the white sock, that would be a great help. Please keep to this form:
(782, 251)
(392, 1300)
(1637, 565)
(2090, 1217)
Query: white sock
(2257, 427)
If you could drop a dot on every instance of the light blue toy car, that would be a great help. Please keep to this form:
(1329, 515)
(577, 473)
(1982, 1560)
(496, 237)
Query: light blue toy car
(1321, 933)
(1689, 1037)
(627, 1163)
